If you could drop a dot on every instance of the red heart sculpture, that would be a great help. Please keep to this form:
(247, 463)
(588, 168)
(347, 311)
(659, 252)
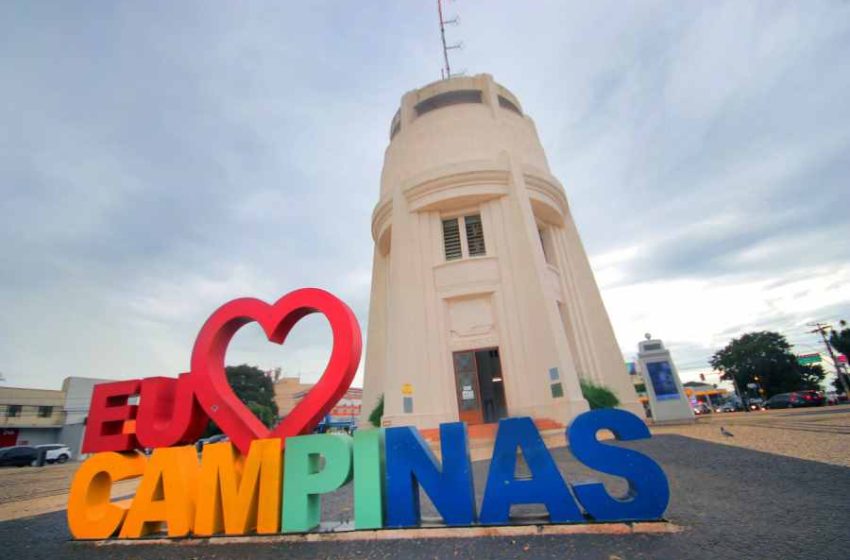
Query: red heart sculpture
(217, 397)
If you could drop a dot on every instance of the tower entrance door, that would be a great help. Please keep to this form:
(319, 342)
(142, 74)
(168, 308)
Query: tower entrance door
(479, 386)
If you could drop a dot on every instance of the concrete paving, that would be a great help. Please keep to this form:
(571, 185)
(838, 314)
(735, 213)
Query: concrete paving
(817, 433)
(731, 503)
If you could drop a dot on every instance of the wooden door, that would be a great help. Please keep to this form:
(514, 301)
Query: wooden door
(466, 387)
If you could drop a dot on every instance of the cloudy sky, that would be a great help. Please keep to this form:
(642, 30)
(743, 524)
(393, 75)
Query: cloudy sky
(158, 159)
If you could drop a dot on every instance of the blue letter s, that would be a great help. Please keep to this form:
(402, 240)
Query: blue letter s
(649, 491)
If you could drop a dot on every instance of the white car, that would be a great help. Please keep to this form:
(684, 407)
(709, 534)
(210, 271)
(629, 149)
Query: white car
(56, 452)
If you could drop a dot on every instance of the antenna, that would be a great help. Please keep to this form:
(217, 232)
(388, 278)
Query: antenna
(446, 71)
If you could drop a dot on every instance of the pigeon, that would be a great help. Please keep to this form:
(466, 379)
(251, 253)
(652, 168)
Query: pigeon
(726, 432)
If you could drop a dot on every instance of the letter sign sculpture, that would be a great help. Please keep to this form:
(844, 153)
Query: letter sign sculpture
(267, 480)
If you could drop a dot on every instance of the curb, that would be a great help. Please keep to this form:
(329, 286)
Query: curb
(656, 527)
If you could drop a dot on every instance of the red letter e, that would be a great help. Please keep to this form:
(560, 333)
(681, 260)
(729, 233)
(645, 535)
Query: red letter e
(108, 412)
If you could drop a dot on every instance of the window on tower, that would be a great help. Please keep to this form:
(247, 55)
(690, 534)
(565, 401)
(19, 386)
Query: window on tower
(463, 236)
(451, 239)
(447, 99)
(474, 235)
(506, 103)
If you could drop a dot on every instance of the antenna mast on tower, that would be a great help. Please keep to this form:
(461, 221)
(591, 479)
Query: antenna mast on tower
(446, 71)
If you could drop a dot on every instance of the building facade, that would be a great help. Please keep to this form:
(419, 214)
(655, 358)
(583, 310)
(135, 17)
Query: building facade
(41, 416)
(288, 391)
(483, 302)
(30, 416)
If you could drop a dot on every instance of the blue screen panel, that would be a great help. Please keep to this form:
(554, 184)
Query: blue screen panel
(663, 381)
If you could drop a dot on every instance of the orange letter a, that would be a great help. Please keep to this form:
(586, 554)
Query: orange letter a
(166, 494)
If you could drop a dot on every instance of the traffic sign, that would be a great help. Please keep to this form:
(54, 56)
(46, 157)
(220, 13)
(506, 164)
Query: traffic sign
(808, 359)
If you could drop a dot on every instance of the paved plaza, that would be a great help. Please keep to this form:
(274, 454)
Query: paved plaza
(777, 488)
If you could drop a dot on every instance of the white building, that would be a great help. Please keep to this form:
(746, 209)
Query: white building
(483, 302)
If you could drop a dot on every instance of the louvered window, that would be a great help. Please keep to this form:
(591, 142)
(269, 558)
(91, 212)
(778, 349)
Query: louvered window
(475, 235)
(463, 237)
(451, 239)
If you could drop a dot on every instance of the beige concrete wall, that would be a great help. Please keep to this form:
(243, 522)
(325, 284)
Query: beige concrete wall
(480, 158)
(30, 400)
(285, 393)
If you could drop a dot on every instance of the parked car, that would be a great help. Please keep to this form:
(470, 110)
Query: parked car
(730, 406)
(795, 400)
(812, 398)
(56, 452)
(756, 403)
(18, 456)
(782, 400)
(701, 409)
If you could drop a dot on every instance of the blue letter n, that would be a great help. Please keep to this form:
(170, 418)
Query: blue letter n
(410, 463)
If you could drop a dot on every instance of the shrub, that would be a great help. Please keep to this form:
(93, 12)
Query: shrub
(598, 396)
(377, 413)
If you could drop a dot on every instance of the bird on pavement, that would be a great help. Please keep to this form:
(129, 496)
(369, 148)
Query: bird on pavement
(726, 432)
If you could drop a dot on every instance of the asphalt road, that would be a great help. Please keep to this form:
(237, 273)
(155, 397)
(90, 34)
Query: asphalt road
(732, 502)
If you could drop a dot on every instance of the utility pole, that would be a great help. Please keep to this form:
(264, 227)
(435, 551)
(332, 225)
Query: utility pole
(821, 329)
(741, 395)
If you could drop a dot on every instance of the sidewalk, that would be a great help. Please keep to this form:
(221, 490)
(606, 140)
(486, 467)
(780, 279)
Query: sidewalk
(815, 434)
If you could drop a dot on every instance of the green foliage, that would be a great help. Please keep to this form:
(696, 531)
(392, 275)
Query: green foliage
(263, 413)
(811, 376)
(255, 389)
(377, 413)
(598, 396)
(766, 355)
(840, 340)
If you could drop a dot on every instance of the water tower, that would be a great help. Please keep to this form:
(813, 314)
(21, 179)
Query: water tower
(483, 302)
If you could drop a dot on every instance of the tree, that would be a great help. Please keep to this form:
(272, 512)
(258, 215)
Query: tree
(840, 340)
(254, 388)
(765, 358)
(811, 377)
(377, 413)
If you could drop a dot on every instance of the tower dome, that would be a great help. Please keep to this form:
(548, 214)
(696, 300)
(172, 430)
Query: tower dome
(483, 302)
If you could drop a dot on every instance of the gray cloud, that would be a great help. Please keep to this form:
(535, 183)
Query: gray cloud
(157, 160)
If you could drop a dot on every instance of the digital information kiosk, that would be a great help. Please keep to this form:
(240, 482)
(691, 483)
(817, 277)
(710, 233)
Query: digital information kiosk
(667, 399)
